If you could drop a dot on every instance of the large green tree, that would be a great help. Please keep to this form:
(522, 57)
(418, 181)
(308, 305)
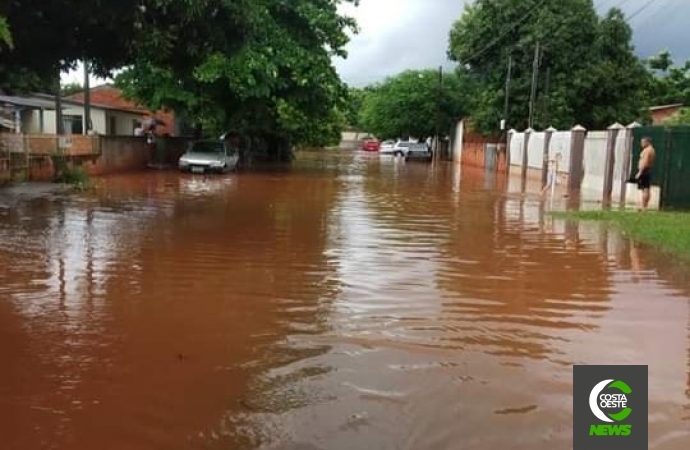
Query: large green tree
(588, 73)
(258, 68)
(50, 36)
(413, 103)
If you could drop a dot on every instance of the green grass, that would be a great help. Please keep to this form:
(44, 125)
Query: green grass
(668, 231)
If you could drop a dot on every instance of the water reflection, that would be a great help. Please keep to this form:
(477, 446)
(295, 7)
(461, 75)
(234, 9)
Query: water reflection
(348, 301)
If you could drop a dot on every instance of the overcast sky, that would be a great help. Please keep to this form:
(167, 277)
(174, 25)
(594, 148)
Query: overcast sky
(413, 34)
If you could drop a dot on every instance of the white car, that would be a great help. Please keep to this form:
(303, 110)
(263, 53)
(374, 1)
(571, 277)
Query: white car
(387, 147)
(209, 156)
(401, 148)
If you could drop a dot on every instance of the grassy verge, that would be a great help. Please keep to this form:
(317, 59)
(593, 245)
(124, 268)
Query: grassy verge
(670, 232)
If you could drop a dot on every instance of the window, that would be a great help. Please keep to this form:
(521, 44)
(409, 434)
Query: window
(113, 125)
(74, 124)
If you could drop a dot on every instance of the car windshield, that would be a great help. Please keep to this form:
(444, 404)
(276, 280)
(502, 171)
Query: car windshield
(207, 147)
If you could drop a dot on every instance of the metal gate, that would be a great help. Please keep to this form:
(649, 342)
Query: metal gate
(672, 168)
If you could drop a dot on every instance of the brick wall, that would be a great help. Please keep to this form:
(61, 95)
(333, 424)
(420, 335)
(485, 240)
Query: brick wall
(96, 155)
(473, 149)
(661, 115)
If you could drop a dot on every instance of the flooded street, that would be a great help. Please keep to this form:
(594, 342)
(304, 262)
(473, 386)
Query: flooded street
(345, 302)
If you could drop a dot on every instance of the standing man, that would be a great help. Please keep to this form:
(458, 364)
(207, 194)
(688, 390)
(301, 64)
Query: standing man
(644, 173)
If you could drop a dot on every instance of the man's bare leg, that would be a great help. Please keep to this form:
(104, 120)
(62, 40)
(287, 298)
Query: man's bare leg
(646, 195)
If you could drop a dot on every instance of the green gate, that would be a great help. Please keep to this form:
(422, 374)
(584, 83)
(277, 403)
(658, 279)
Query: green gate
(672, 168)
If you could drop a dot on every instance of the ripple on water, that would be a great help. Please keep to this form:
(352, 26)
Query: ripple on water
(350, 302)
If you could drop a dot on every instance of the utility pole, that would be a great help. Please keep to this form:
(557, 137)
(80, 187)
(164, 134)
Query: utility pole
(506, 106)
(87, 99)
(438, 109)
(535, 75)
(547, 104)
(59, 128)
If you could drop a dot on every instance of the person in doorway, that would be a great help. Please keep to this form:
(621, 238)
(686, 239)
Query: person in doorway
(552, 175)
(644, 172)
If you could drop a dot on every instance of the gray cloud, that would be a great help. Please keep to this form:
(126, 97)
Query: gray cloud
(413, 34)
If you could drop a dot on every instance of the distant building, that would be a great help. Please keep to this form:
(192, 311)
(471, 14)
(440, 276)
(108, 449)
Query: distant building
(661, 114)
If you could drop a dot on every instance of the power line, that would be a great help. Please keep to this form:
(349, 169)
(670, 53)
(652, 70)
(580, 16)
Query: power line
(504, 34)
(621, 4)
(640, 10)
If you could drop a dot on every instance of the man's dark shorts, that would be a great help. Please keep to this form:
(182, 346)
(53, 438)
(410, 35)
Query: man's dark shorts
(645, 180)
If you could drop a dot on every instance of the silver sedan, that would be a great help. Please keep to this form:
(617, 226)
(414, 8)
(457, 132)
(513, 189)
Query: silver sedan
(209, 156)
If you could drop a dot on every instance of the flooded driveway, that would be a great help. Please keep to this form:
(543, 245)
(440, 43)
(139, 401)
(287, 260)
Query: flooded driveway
(347, 302)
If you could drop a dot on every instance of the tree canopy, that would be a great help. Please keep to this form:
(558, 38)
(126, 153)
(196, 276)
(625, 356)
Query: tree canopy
(55, 35)
(670, 83)
(258, 67)
(588, 72)
(255, 67)
(407, 105)
(5, 35)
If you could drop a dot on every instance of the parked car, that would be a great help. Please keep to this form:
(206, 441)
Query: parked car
(209, 156)
(401, 148)
(419, 152)
(387, 147)
(371, 145)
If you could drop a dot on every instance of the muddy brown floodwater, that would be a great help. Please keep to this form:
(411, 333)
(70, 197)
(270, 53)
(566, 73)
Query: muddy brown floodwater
(346, 302)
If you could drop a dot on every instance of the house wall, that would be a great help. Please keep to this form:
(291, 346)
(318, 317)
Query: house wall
(31, 123)
(662, 115)
(108, 95)
(99, 119)
(124, 123)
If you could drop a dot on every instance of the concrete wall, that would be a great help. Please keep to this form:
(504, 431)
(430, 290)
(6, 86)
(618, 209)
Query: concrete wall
(561, 142)
(535, 150)
(595, 162)
(594, 158)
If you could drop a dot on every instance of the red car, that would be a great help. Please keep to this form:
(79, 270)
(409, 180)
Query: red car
(371, 145)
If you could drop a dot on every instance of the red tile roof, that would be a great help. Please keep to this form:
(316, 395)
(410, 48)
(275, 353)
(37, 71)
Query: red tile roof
(111, 96)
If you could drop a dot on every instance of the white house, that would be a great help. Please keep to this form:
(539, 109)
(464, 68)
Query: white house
(36, 115)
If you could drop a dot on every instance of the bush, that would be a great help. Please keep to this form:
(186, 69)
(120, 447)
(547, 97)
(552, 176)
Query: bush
(67, 174)
(75, 176)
